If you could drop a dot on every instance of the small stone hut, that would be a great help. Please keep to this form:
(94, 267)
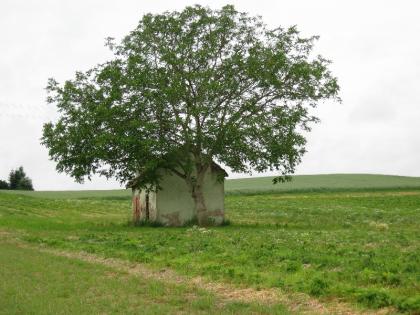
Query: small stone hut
(173, 205)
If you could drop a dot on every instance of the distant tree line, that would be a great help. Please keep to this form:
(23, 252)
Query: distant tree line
(17, 181)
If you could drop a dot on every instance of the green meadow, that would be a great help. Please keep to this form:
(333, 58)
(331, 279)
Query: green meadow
(41, 283)
(264, 185)
(347, 239)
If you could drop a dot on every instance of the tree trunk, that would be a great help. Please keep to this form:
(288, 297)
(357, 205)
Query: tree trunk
(136, 205)
(198, 197)
(200, 206)
(147, 206)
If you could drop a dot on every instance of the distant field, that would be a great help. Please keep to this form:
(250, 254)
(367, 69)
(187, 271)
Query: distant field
(258, 185)
(75, 194)
(320, 183)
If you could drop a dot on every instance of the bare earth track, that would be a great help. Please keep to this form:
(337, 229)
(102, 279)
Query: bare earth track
(297, 302)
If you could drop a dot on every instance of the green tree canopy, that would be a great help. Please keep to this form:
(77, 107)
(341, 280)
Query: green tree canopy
(19, 181)
(185, 89)
(4, 184)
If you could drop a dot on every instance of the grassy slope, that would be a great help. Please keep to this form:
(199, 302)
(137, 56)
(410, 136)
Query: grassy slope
(40, 283)
(362, 247)
(74, 194)
(331, 182)
(258, 185)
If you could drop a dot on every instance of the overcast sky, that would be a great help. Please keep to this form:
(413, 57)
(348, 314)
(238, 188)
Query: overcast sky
(374, 46)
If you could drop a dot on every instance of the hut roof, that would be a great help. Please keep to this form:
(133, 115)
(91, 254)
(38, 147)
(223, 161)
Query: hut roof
(214, 167)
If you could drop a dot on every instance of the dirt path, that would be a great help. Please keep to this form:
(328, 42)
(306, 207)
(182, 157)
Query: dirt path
(296, 302)
(299, 303)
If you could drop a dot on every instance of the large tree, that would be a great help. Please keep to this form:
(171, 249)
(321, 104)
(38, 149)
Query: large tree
(186, 89)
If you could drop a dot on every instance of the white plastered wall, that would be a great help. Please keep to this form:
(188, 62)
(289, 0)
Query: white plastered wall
(175, 205)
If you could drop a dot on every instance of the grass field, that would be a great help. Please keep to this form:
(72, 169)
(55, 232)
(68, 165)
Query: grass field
(345, 241)
(322, 183)
(264, 185)
(42, 283)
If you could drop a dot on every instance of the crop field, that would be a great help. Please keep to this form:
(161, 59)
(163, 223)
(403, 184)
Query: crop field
(331, 244)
